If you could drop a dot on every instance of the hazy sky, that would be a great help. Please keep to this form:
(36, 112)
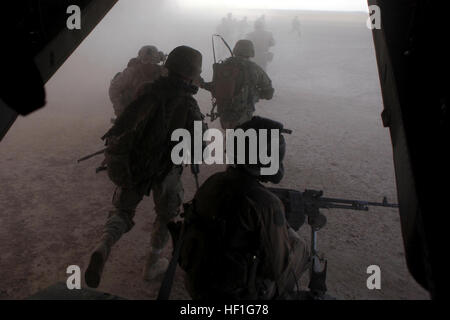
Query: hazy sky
(332, 5)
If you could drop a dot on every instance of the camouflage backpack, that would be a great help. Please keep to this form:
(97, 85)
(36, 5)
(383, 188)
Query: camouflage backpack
(231, 84)
(121, 139)
(138, 145)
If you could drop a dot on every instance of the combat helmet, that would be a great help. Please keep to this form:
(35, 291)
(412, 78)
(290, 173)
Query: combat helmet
(150, 54)
(133, 63)
(259, 24)
(257, 123)
(184, 62)
(244, 48)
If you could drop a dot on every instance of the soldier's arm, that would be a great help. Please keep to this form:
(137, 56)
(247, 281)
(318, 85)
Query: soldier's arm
(264, 85)
(206, 85)
(194, 114)
(271, 41)
(271, 229)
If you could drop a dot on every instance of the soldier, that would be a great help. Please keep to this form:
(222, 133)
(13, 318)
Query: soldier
(251, 84)
(242, 27)
(228, 30)
(262, 20)
(138, 159)
(125, 85)
(296, 26)
(237, 243)
(263, 40)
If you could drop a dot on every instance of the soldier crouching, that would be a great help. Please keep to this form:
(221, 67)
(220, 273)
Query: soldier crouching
(237, 243)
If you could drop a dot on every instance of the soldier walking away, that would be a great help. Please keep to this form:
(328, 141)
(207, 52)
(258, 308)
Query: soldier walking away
(138, 159)
(296, 26)
(145, 68)
(262, 20)
(228, 28)
(262, 40)
(236, 243)
(242, 27)
(237, 85)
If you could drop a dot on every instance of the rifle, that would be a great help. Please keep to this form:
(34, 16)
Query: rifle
(91, 155)
(302, 206)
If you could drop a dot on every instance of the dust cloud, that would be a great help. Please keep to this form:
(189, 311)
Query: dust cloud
(326, 91)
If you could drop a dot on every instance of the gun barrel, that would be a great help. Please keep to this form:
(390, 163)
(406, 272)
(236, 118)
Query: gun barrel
(329, 203)
(383, 204)
(354, 204)
(286, 131)
(91, 155)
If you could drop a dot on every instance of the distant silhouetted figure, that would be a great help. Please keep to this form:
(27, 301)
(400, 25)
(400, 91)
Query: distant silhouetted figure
(296, 26)
(242, 27)
(262, 40)
(228, 30)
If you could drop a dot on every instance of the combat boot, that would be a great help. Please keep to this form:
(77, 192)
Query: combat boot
(97, 262)
(155, 265)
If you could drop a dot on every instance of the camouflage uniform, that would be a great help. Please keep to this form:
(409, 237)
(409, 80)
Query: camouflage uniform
(151, 168)
(258, 222)
(259, 87)
(125, 85)
(253, 84)
(237, 243)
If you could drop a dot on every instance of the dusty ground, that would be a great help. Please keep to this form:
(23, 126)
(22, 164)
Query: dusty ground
(327, 91)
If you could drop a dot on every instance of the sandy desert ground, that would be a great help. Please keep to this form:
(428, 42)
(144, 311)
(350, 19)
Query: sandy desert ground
(327, 92)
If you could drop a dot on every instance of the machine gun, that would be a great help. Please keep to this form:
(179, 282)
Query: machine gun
(304, 206)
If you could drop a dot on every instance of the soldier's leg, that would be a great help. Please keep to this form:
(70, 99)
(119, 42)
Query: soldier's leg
(299, 255)
(120, 221)
(299, 252)
(168, 197)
